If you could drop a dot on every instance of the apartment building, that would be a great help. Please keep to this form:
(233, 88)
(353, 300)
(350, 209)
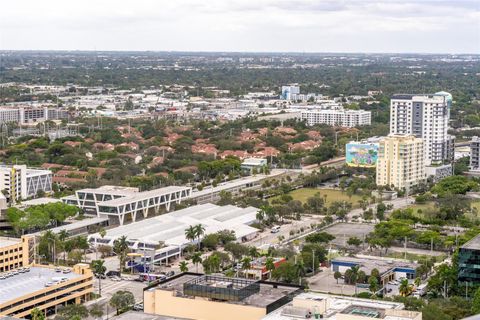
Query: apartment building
(14, 253)
(26, 115)
(337, 117)
(21, 182)
(475, 153)
(426, 117)
(400, 161)
(45, 288)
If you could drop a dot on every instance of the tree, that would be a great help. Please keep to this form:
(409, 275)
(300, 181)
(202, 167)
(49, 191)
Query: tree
(196, 259)
(319, 237)
(191, 233)
(405, 288)
(99, 269)
(72, 311)
(432, 312)
(62, 236)
(337, 275)
(183, 266)
(373, 285)
(354, 241)
(375, 273)
(96, 311)
(270, 266)
(210, 241)
(37, 314)
(120, 247)
(122, 300)
(246, 265)
(476, 302)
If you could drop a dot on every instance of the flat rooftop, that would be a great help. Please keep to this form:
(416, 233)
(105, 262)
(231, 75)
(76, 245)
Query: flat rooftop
(382, 265)
(135, 196)
(170, 227)
(29, 282)
(305, 302)
(136, 315)
(4, 242)
(75, 225)
(473, 244)
(264, 297)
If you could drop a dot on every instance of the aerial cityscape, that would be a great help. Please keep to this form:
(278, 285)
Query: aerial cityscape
(243, 160)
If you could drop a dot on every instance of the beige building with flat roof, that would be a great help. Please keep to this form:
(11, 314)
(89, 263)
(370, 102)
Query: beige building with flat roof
(210, 297)
(45, 288)
(400, 161)
(14, 253)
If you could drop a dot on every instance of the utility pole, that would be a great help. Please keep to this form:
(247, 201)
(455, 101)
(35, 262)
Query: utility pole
(313, 261)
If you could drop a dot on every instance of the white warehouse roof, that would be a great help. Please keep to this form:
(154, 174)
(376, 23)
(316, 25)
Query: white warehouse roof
(170, 227)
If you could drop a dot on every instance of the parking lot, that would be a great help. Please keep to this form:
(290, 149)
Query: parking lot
(343, 231)
(325, 282)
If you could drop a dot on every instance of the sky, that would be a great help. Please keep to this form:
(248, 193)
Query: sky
(389, 26)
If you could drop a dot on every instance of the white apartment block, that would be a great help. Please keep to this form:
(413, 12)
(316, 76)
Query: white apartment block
(26, 115)
(288, 92)
(20, 183)
(337, 117)
(426, 117)
(475, 153)
(400, 161)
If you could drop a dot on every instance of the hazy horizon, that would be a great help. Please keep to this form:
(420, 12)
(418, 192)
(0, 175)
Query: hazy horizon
(244, 26)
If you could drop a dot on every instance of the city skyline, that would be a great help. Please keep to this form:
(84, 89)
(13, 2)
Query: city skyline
(244, 26)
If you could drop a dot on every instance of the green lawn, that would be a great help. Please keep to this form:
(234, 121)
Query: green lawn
(332, 195)
(431, 205)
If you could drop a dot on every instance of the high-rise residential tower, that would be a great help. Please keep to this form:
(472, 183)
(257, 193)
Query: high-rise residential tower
(426, 117)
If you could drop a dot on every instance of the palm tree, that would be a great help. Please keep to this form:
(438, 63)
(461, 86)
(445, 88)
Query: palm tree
(199, 232)
(62, 236)
(82, 243)
(354, 276)
(253, 252)
(190, 233)
(37, 314)
(373, 285)
(183, 266)
(405, 288)
(99, 269)
(51, 239)
(246, 264)
(196, 259)
(270, 266)
(120, 247)
(299, 270)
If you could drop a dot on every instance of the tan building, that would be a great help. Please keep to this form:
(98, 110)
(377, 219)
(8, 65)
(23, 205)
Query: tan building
(400, 161)
(44, 288)
(209, 297)
(14, 253)
(314, 305)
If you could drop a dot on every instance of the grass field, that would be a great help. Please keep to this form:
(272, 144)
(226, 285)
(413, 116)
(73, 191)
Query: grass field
(431, 205)
(332, 195)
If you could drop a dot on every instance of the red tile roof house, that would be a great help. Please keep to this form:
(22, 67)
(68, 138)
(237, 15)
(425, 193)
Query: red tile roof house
(103, 146)
(286, 130)
(266, 152)
(47, 165)
(307, 145)
(67, 181)
(171, 138)
(235, 153)
(130, 145)
(155, 162)
(315, 135)
(248, 136)
(72, 144)
(205, 149)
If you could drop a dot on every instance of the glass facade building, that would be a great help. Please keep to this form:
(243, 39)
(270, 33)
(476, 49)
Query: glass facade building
(469, 261)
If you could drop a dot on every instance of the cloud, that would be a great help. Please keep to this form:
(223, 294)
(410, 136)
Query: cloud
(243, 25)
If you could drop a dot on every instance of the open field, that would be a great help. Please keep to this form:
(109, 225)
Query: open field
(431, 205)
(332, 195)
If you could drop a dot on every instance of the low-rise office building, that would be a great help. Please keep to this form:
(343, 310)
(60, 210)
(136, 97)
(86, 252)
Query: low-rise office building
(469, 261)
(44, 288)
(126, 204)
(314, 305)
(251, 164)
(20, 182)
(210, 297)
(14, 253)
(145, 237)
(389, 269)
